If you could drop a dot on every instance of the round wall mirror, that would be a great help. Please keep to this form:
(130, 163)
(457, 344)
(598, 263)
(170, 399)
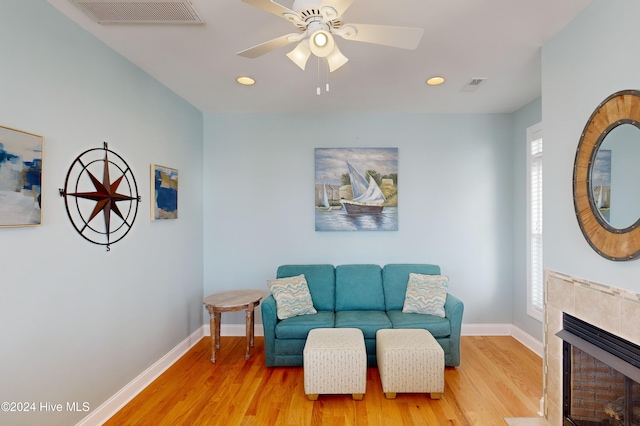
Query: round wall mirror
(606, 177)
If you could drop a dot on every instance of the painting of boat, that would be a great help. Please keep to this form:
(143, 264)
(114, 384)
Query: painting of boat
(367, 196)
(356, 189)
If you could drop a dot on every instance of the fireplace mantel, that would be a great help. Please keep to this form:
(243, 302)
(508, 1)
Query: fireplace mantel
(612, 309)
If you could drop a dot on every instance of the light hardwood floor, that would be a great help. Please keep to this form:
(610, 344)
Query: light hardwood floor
(498, 377)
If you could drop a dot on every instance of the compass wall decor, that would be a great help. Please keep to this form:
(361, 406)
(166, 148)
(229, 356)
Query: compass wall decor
(102, 209)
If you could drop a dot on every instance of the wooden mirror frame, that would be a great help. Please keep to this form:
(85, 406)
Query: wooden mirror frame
(614, 244)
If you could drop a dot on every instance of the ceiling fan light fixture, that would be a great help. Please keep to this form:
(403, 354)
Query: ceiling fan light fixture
(435, 80)
(335, 60)
(246, 81)
(320, 39)
(322, 43)
(300, 55)
(318, 21)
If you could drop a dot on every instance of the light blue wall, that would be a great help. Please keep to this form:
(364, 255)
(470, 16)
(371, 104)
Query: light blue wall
(589, 60)
(525, 117)
(455, 200)
(79, 323)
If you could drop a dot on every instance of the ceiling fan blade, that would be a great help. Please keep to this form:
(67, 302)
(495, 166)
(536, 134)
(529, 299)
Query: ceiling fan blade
(268, 46)
(300, 55)
(336, 59)
(403, 37)
(338, 5)
(271, 7)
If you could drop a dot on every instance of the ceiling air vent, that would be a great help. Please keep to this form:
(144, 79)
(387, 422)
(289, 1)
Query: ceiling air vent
(139, 11)
(473, 84)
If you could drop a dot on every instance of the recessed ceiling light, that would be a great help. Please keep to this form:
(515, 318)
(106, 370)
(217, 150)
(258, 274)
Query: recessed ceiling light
(435, 81)
(246, 81)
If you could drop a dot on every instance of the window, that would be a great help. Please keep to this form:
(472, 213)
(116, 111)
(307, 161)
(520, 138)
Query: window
(535, 271)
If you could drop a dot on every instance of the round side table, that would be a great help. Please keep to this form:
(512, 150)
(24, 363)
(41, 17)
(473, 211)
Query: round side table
(231, 301)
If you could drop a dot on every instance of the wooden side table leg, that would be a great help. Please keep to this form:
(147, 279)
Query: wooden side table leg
(218, 321)
(253, 324)
(212, 326)
(248, 330)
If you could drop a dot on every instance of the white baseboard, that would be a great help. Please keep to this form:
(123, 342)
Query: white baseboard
(504, 330)
(111, 406)
(486, 329)
(234, 330)
(528, 340)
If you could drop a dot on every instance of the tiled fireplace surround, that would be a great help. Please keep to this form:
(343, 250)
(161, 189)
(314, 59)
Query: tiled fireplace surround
(612, 309)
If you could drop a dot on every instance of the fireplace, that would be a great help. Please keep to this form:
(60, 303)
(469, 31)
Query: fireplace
(601, 376)
(609, 308)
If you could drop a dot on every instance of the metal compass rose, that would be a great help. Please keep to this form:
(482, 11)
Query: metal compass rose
(86, 196)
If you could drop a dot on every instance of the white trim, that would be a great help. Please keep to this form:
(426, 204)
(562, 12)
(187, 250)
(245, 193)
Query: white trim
(526, 339)
(111, 406)
(486, 329)
(234, 330)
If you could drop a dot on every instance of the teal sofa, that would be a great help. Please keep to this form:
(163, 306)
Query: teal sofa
(368, 297)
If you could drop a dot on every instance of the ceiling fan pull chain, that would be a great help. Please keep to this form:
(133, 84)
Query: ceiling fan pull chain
(318, 91)
(327, 77)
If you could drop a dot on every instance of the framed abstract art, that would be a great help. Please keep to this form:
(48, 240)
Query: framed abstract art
(20, 177)
(164, 192)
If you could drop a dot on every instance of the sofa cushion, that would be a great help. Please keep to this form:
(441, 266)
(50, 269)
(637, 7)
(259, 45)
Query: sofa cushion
(426, 294)
(298, 327)
(321, 280)
(292, 296)
(395, 278)
(438, 327)
(359, 287)
(367, 321)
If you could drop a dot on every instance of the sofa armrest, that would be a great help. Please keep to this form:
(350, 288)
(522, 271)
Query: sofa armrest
(269, 320)
(453, 309)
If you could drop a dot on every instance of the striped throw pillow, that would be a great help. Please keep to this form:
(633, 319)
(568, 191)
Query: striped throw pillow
(426, 294)
(292, 296)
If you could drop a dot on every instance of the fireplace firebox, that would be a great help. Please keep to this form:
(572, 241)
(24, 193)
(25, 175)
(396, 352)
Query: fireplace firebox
(601, 376)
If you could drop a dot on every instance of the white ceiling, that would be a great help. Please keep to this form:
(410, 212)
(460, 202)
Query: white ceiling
(463, 39)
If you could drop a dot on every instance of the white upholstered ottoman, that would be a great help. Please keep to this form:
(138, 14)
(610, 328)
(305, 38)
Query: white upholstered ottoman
(335, 362)
(409, 361)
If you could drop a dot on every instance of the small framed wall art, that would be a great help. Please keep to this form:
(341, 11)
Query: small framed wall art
(20, 177)
(164, 192)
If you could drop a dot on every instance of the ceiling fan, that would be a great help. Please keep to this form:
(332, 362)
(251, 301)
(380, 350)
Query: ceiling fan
(318, 21)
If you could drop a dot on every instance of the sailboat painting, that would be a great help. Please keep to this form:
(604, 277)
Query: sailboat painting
(356, 189)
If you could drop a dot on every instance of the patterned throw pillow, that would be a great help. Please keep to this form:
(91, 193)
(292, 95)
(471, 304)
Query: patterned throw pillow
(426, 294)
(292, 296)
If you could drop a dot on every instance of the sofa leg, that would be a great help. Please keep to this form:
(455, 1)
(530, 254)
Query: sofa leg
(390, 395)
(357, 396)
(312, 397)
(436, 395)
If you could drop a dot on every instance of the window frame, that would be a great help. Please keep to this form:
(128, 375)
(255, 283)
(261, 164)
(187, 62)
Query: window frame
(534, 134)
